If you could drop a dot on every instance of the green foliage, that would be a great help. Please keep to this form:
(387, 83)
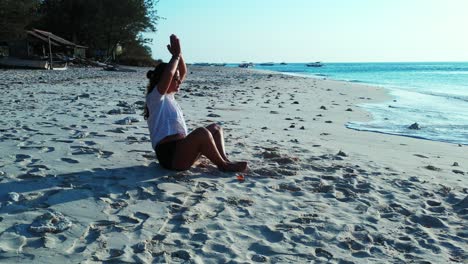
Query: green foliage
(135, 60)
(15, 15)
(99, 24)
(135, 53)
(102, 24)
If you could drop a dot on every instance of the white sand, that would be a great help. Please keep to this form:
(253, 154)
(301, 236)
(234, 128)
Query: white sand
(384, 199)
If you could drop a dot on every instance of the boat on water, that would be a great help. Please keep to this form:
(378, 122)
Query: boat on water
(42, 64)
(315, 64)
(267, 64)
(246, 65)
(205, 64)
(283, 63)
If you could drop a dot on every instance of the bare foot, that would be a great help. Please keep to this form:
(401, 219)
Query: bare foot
(235, 166)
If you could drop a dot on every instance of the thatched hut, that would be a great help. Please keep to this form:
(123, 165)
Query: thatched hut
(39, 43)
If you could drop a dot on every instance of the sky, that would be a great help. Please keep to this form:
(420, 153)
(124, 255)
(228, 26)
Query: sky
(313, 30)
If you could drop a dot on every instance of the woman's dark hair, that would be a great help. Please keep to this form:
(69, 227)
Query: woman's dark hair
(154, 76)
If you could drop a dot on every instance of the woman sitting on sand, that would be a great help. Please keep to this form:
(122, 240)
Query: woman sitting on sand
(174, 148)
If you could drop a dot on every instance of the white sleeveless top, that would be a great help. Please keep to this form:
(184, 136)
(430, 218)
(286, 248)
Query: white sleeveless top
(165, 116)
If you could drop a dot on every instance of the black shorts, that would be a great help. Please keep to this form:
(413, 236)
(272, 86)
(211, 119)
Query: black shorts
(165, 153)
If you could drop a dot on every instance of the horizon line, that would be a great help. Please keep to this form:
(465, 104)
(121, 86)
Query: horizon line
(305, 62)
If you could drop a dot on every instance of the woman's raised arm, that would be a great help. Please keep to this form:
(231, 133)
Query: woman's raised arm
(169, 72)
(182, 68)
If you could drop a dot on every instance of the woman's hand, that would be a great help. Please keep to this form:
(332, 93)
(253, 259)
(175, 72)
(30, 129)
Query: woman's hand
(174, 47)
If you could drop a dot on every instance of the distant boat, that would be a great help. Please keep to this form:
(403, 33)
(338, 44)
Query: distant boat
(246, 65)
(283, 63)
(267, 64)
(315, 64)
(209, 64)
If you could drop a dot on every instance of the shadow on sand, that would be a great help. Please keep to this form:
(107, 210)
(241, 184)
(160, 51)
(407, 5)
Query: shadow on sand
(98, 182)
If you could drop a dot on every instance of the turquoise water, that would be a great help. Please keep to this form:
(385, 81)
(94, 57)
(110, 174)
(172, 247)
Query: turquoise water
(435, 95)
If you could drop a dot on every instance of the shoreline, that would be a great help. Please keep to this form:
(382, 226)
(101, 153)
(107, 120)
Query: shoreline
(381, 102)
(76, 146)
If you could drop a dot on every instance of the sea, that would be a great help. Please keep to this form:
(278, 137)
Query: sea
(432, 94)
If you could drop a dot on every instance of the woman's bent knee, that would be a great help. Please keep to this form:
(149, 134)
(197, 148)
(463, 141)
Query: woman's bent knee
(214, 128)
(202, 133)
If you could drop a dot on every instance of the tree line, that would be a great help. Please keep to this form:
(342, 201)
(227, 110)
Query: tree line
(100, 25)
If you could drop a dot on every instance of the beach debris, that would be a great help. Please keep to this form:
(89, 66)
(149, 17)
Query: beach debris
(323, 107)
(139, 102)
(119, 130)
(455, 164)
(349, 110)
(432, 168)
(50, 222)
(328, 121)
(259, 258)
(289, 187)
(83, 95)
(127, 111)
(123, 104)
(140, 247)
(415, 126)
(458, 172)
(127, 121)
(421, 156)
(295, 102)
(240, 178)
(302, 128)
(239, 202)
(342, 154)
(80, 134)
(117, 68)
(213, 115)
(433, 202)
(274, 112)
(319, 252)
(270, 154)
(14, 197)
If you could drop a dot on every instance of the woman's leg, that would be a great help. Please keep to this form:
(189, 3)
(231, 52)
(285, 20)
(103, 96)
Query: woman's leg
(218, 136)
(200, 141)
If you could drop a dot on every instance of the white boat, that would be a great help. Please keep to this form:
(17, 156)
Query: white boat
(315, 64)
(8, 62)
(42, 64)
(246, 65)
